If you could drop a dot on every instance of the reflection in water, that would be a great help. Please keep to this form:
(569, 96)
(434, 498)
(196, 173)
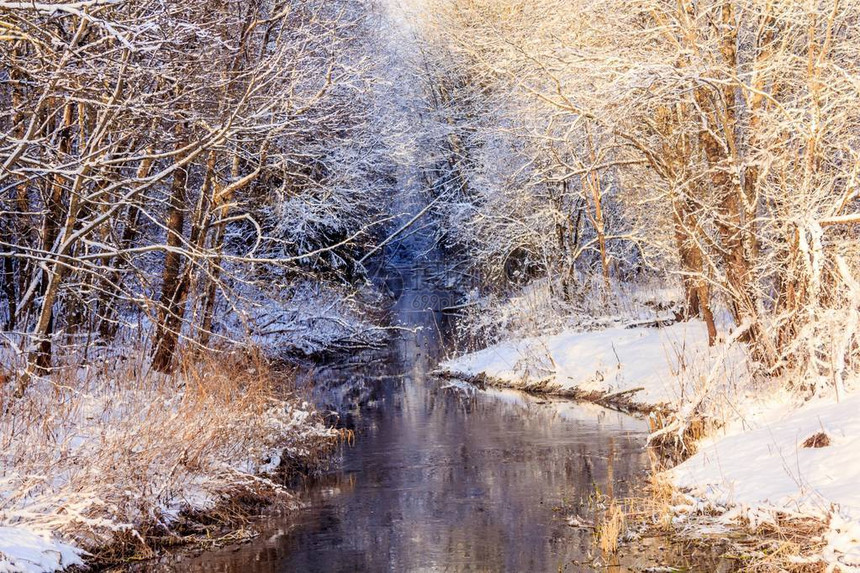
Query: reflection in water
(440, 478)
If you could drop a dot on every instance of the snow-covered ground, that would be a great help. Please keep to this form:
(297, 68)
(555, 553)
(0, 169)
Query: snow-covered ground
(648, 366)
(754, 467)
(26, 551)
(802, 462)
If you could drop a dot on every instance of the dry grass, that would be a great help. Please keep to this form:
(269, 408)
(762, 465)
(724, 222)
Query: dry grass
(610, 527)
(110, 454)
(676, 437)
(817, 440)
(656, 506)
(788, 544)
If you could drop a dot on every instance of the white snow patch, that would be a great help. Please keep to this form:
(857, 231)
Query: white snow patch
(606, 361)
(26, 551)
(766, 469)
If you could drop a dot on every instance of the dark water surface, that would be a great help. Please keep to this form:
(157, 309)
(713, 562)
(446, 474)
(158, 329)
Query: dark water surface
(442, 479)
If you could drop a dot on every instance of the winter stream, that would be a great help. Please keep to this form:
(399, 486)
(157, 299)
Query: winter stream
(439, 478)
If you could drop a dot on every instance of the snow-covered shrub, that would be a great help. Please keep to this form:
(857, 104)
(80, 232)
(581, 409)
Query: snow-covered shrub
(538, 308)
(313, 317)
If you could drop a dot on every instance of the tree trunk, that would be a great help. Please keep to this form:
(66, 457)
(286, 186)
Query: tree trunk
(174, 288)
(696, 288)
(112, 286)
(10, 291)
(49, 284)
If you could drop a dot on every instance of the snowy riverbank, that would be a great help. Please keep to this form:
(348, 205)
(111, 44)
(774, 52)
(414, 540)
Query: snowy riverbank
(768, 452)
(108, 459)
(640, 368)
(799, 462)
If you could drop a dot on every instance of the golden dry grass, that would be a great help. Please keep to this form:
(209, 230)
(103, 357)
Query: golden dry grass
(611, 526)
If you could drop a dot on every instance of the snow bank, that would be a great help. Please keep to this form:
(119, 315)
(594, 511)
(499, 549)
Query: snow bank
(642, 362)
(25, 551)
(754, 473)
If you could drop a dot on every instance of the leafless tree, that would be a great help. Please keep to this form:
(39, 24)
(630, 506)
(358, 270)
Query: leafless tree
(727, 135)
(146, 146)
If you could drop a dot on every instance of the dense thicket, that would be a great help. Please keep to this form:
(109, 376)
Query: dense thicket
(716, 141)
(177, 166)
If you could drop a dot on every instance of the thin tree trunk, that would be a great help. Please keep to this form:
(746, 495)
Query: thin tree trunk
(171, 308)
(50, 231)
(10, 291)
(593, 184)
(111, 287)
